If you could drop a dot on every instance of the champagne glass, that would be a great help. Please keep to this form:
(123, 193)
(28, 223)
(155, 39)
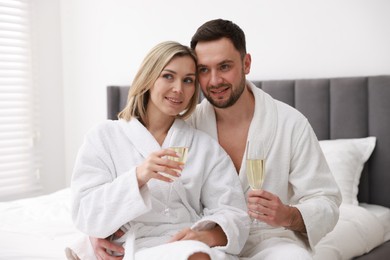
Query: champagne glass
(255, 167)
(182, 152)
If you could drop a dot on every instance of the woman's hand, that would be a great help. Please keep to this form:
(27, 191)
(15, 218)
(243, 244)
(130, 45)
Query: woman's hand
(157, 163)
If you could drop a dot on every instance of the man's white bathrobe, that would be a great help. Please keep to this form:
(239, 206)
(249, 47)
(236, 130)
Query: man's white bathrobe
(296, 169)
(106, 196)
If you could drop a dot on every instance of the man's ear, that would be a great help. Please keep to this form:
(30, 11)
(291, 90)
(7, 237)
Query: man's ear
(247, 63)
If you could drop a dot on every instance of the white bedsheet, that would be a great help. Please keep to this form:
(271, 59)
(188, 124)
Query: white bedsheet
(41, 228)
(36, 228)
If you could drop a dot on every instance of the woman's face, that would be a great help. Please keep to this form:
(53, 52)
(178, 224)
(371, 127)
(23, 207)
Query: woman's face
(174, 88)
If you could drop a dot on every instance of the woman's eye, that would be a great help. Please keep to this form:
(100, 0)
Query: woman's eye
(189, 80)
(168, 76)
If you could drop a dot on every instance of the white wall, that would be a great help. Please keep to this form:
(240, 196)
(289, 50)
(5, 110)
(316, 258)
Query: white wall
(47, 78)
(104, 41)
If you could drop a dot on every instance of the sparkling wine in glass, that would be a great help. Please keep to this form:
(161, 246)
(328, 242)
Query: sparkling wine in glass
(182, 152)
(255, 173)
(255, 167)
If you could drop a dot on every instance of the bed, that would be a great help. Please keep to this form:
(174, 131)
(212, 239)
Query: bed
(351, 117)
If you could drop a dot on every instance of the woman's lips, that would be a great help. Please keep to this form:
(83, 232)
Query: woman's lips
(174, 100)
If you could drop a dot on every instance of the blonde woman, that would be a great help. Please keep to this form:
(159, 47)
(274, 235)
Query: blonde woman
(122, 176)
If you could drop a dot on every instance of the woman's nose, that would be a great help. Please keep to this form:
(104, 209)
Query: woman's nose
(178, 87)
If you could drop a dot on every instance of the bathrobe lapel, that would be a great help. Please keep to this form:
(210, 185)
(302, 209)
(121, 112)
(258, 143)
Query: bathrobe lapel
(142, 139)
(262, 129)
(179, 134)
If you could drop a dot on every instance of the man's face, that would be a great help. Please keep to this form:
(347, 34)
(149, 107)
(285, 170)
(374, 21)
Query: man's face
(221, 71)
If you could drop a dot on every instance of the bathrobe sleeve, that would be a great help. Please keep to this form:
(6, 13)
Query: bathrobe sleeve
(222, 197)
(102, 199)
(313, 186)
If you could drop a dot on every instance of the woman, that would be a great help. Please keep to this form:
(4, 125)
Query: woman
(122, 175)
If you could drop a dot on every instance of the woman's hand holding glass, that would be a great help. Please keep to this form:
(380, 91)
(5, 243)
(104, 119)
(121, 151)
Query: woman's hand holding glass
(158, 166)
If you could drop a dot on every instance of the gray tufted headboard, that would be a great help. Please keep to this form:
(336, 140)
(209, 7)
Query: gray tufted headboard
(336, 108)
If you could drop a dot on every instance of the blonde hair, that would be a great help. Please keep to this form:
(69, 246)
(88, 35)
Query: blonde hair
(149, 71)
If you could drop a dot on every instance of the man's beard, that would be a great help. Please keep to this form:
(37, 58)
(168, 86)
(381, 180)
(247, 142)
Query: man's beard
(236, 93)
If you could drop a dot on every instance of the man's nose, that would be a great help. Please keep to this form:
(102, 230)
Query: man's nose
(215, 78)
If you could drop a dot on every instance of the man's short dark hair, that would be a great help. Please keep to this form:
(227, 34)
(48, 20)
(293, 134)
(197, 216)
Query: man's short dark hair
(217, 29)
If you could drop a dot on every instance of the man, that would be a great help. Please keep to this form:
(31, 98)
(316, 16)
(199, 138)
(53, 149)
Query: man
(298, 204)
(296, 171)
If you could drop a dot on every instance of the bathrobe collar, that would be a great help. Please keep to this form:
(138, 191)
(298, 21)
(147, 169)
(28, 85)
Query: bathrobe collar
(261, 130)
(179, 134)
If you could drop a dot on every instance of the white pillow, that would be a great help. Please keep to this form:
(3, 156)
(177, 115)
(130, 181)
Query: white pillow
(346, 158)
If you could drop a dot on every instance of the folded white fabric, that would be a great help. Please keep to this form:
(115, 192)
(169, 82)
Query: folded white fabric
(357, 232)
(383, 214)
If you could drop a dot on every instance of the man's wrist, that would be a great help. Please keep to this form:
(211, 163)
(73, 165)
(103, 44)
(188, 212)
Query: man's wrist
(295, 220)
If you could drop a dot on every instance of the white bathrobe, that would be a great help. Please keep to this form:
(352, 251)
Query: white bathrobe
(296, 169)
(106, 196)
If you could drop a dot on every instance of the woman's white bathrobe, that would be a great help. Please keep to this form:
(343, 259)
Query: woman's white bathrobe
(296, 169)
(106, 196)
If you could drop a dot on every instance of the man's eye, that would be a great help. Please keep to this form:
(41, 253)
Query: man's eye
(203, 70)
(225, 67)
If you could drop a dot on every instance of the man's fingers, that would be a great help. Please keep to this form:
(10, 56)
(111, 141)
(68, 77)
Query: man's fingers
(261, 193)
(103, 248)
(110, 257)
(119, 233)
(113, 247)
(106, 256)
